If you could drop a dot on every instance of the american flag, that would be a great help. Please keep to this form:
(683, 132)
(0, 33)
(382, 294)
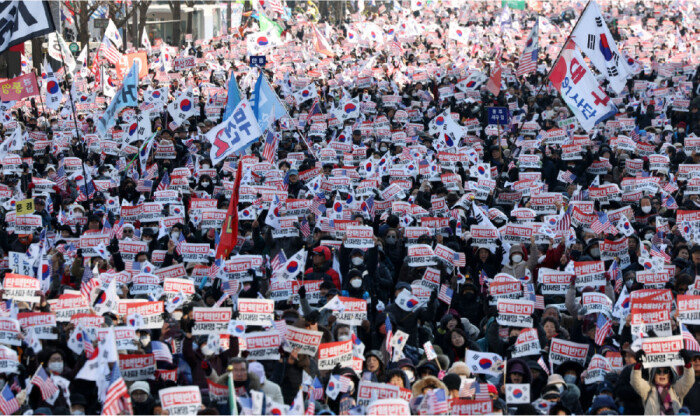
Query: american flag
(445, 294)
(616, 275)
(541, 363)
(61, 176)
(460, 259)
(275, 6)
(564, 222)
(109, 51)
(656, 251)
(481, 391)
(345, 383)
(305, 229)
(278, 261)
(87, 345)
(315, 108)
(437, 401)
(311, 408)
(528, 60)
(164, 182)
(672, 185)
(689, 340)
(49, 205)
(316, 390)
(87, 285)
(603, 327)
(8, 402)
(180, 241)
(161, 352)
(271, 143)
(117, 400)
(117, 230)
(601, 223)
(482, 278)
(45, 383)
(568, 176)
(670, 202)
(189, 164)
(214, 268)
(318, 205)
(635, 134)
(106, 227)
(151, 172)
(230, 287)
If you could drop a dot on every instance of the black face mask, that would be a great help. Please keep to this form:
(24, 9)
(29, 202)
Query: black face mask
(511, 340)
(469, 296)
(575, 254)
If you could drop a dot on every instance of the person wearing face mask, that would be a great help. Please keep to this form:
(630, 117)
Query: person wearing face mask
(355, 286)
(517, 266)
(205, 185)
(468, 302)
(61, 375)
(645, 214)
(202, 359)
(271, 389)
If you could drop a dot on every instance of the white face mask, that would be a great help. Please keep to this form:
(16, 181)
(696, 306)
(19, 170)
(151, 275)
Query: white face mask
(56, 367)
(410, 375)
(646, 209)
(145, 340)
(344, 337)
(206, 350)
(205, 183)
(517, 258)
(357, 261)
(205, 166)
(177, 315)
(174, 235)
(356, 283)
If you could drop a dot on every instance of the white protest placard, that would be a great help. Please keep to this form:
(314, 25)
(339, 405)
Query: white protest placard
(194, 252)
(68, 305)
(484, 236)
(354, 313)
(137, 366)
(554, 282)
(307, 341)
(9, 332)
(124, 336)
(145, 284)
(471, 407)
(210, 320)
(597, 369)
(431, 278)
(662, 351)
(331, 354)
(393, 407)
(420, 255)
(255, 311)
(515, 312)
(184, 63)
(9, 360)
(151, 312)
(262, 345)
(528, 343)
(42, 323)
(595, 302)
(359, 236)
(589, 273)
(184, 400)
(689, 309)
(561, 350)
(20, 287)
(369, 392)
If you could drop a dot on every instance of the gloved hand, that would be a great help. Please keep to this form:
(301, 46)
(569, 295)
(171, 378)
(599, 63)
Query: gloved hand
(302, 292)
(686, 356)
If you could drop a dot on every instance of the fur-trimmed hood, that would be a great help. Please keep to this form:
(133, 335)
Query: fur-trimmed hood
(428, 381)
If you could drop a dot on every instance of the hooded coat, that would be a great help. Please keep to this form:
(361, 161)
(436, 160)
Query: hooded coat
(650, 396)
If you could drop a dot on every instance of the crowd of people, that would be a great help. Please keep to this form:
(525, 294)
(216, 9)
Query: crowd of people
(397, 248)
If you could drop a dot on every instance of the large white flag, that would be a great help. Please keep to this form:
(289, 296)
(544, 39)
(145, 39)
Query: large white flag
(579, 88)
(235, 133)
(593, 37)
(58, 50)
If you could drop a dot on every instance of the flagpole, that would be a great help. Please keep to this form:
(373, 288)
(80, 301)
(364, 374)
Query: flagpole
(75, 116)
(43, 107)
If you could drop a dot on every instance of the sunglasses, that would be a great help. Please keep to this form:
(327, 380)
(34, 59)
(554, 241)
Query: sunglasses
(663, 371)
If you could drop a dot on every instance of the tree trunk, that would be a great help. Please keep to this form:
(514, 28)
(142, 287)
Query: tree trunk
(37, 54)
(177, 16)
(83, 28)
(143, 17)
(135, 28)
(228, 17)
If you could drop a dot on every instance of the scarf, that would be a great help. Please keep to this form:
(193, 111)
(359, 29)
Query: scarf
(665, 399)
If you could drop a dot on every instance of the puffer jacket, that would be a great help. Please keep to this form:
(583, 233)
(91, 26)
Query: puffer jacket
(650, 396)
(519, 269)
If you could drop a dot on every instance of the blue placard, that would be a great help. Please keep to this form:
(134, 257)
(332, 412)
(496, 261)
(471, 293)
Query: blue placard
(498, 115)
(258, 60)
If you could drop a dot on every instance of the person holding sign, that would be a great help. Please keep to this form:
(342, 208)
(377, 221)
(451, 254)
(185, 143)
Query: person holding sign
(663, 394)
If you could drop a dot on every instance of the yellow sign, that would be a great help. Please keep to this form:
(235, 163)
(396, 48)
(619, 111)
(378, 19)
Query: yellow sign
(25, 207)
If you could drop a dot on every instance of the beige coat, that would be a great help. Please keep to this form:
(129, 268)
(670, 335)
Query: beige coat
(650, 396)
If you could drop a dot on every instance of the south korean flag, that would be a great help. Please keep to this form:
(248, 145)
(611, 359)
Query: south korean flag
(593, 37)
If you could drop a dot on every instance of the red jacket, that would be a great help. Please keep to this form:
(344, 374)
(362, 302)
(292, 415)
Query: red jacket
(328, 274)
